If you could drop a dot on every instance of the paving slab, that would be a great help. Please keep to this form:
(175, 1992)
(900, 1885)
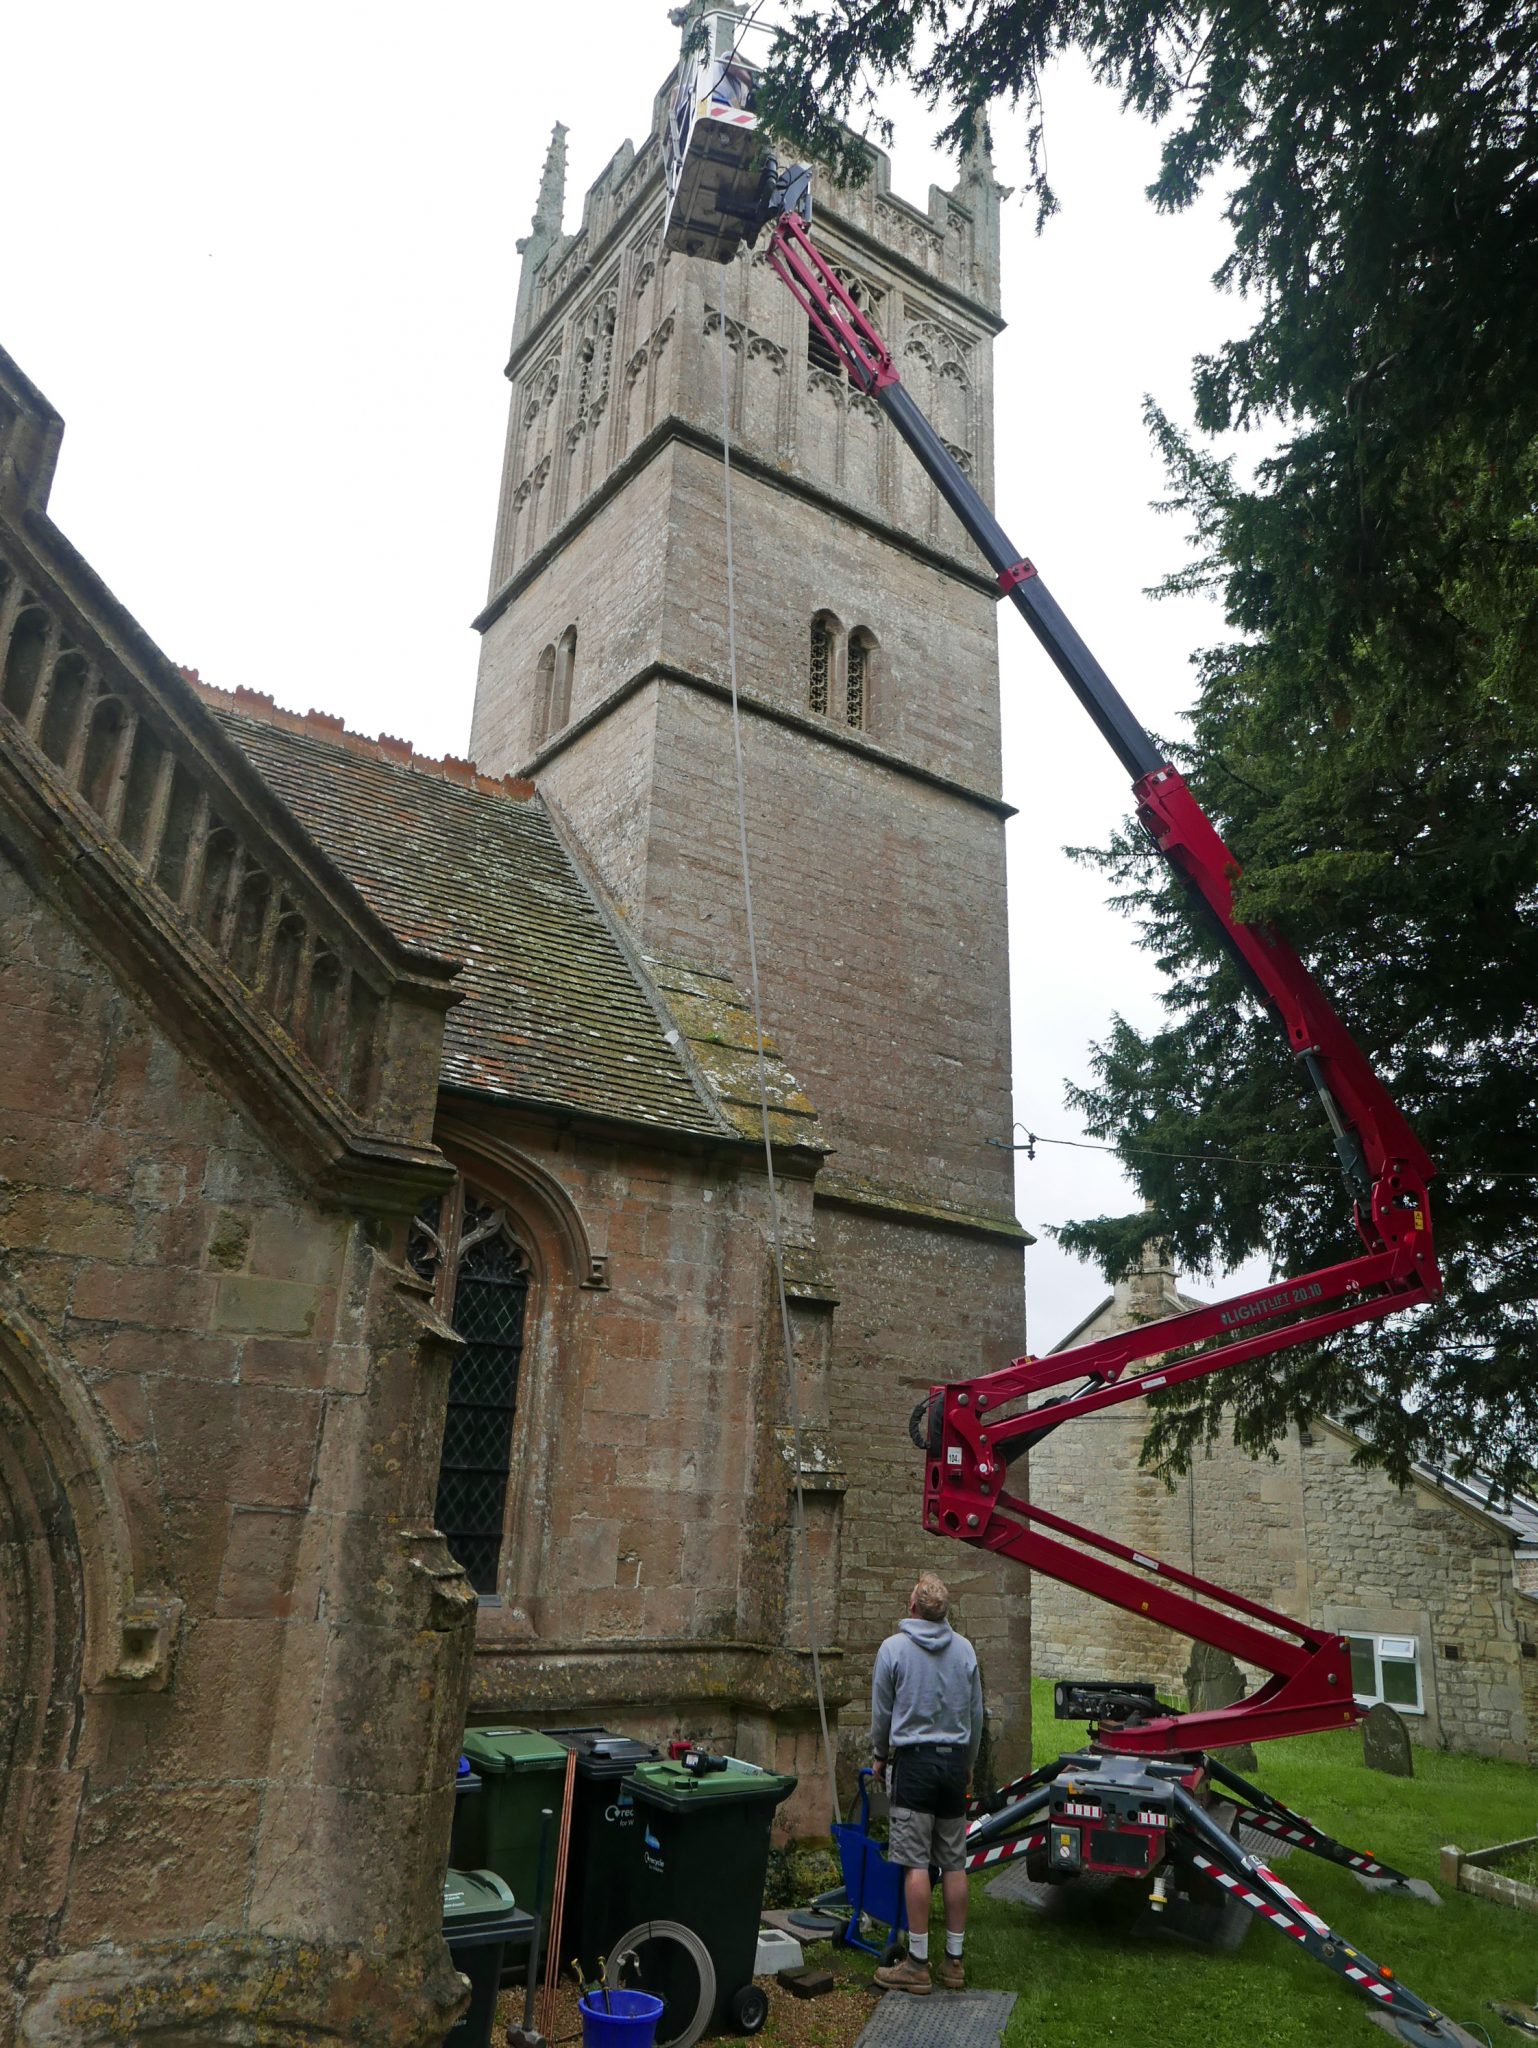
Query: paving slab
(945, 2019)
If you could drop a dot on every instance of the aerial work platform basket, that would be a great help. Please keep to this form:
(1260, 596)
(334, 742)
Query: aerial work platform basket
(712, 154)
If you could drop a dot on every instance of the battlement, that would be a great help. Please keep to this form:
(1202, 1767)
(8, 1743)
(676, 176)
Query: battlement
(323, 725)
(953, 241)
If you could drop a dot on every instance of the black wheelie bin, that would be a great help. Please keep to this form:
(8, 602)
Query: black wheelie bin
(603, 1833)
(480, 1922)
(703, 1841)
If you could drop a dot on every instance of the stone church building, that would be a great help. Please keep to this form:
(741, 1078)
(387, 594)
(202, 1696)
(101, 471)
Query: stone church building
(1436, 1586)
(387, 1317)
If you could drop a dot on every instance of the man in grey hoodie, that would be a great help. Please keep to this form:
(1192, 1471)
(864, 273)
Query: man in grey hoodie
(926, 1725)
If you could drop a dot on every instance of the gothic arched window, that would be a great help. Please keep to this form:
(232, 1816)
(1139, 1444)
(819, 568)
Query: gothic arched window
(565, 671)
(821, 662)
(820, 354)
(480, 1274)
(544, 688)
(858, 664)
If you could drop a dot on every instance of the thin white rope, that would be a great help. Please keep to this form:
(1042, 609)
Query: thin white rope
(776, 1241)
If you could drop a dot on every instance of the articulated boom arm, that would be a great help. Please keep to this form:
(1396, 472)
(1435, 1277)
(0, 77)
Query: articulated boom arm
(970, 1431)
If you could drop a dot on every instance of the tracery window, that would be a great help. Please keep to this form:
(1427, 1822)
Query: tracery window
(820, 354)
(857, 678)
(544, 690)
(820, 664)
(841, 671)
(464, 1245)
(565, 672)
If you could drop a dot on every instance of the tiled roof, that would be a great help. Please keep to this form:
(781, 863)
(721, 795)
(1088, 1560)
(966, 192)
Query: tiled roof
(1515, 1512)
(554, 1012)
(716, 1019)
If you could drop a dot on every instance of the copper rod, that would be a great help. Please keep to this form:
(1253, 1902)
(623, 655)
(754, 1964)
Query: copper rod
(558, 1903)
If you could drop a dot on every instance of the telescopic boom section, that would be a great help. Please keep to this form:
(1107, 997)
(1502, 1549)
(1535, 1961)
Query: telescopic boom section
(971, 1430)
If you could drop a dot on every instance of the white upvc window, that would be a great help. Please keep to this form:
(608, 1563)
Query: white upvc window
(1387, 1668)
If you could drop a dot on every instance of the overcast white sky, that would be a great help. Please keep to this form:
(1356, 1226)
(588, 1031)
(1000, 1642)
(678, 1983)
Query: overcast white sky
(261, 258)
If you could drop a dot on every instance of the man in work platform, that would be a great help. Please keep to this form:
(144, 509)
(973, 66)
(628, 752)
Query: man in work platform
(926, 1727)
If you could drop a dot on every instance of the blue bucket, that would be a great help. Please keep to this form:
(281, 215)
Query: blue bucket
(619, 2019)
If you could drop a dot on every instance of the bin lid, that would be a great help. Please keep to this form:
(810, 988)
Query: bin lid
(495, 1750)
(603, 1754)
(472, 1898)
(670, 1785)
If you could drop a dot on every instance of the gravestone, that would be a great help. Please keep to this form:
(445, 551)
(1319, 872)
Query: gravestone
(1386, 1742)
(1212, 1679)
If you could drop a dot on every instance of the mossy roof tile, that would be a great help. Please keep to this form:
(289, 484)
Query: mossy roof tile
(554, 1013)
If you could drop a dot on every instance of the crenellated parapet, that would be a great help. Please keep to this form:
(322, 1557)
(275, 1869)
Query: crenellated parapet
(613, 344)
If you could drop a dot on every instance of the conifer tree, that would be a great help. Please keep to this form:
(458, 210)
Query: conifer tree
(1368, 738)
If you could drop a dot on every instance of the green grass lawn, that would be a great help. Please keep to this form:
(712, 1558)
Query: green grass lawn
(1087, 1981)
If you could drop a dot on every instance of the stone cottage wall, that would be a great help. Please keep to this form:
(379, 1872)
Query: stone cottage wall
(1310, 1534)
(1384, 1560)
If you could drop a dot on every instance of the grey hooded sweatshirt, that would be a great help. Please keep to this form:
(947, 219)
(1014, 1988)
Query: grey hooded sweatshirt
(926, 1689)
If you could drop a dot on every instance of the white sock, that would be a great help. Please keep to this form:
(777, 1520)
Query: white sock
(953, 1943)
(918, 1946)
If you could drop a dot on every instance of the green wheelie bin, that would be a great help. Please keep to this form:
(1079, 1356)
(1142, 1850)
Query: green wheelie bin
(480, 1924)
(699, 1858)
(521, 1772)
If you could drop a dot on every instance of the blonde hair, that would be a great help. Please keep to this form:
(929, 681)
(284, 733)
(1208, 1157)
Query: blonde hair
(931, 1596)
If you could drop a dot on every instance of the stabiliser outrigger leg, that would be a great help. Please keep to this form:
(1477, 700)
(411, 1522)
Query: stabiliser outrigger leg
(1132, 1804)
(1099, 1811)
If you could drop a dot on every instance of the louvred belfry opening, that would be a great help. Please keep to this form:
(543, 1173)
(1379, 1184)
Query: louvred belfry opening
(481, 1277)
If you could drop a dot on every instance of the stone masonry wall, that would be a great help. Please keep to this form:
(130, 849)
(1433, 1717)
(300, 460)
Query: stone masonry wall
(880, 910)
(235, 1651)
(648, 1577)
(876, 846)
(1380, 1559)
(919, 1304)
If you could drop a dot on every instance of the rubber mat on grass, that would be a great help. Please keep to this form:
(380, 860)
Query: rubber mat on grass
(946, 2019)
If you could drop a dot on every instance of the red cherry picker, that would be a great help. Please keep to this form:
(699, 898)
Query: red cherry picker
(1145, 1799)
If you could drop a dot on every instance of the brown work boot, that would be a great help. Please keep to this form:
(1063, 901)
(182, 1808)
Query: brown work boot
(906, 1976)
(950, 1973)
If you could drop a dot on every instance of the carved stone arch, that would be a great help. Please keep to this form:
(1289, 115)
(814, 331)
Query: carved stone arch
(106, 734)
(942, 345)
(825, 643)
(69, 1619)
(128, 1636)
(715, 320)
(543, 1196)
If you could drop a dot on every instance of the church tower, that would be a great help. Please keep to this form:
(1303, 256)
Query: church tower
(868, 673)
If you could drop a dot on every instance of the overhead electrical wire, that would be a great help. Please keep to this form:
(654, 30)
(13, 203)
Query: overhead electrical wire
(1309, 1167)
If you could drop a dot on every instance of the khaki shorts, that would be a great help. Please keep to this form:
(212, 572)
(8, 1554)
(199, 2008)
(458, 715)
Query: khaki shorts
(918, 1840)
